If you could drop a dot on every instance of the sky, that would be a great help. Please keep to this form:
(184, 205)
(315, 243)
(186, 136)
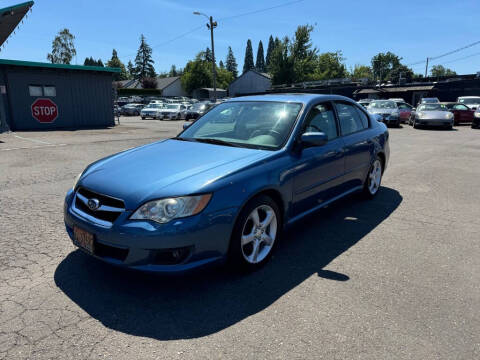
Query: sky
(412, 29)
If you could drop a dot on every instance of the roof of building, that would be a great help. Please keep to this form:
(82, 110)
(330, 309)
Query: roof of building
(57, 66)
(165, 82)
(10, 17)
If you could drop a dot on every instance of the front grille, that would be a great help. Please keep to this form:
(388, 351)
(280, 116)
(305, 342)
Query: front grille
(109, 210)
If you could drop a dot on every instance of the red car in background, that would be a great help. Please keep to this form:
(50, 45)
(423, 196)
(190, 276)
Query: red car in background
(405, 111)
(461, 113)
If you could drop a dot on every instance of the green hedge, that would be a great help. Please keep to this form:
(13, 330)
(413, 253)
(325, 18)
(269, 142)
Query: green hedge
(140, 92)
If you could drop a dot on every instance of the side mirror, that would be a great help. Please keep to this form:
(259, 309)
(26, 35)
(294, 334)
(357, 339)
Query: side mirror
(314, 139)
(186, 125)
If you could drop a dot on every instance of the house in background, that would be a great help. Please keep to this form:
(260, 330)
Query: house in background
(169, 86)
(208, 93)
(250, 82)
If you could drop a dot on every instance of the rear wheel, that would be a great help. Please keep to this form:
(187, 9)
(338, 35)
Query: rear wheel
(255, 233)
(374, 178)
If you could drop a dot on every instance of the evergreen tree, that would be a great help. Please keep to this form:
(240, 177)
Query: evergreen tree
(260, 63)
(143, 61)
(173, 71)
(248, 62)
(221, 65)
(115, 62)
(208, 54)
(231, 63)
(271, 46)
(99, 62)
(130, 69)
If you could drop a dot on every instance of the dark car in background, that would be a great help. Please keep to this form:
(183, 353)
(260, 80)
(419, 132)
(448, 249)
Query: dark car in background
(476, 119)
(405, 110)
(131, 109)
(198, 109)
(461, 112)
(386, 111)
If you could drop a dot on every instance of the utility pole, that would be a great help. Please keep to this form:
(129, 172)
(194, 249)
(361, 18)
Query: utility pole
(211, 25)
(426, 68)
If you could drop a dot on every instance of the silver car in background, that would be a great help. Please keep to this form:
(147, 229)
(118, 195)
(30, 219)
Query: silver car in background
(385, 111)
(152, 110)
(473, 102)
(432, 115)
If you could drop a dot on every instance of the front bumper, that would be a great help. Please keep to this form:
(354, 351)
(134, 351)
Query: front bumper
(177, 246)
(434, 122)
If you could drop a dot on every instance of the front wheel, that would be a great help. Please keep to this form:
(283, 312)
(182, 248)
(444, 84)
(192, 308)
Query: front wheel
(374, 178)
(255, 233)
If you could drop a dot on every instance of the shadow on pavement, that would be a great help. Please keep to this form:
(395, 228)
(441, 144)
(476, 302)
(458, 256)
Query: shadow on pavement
(208, 301)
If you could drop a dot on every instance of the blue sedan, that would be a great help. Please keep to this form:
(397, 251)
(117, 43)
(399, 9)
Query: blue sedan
(226, 187)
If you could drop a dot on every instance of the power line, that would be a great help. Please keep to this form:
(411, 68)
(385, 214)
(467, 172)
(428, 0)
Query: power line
(462, 58)
(430, 58)
(222, 19)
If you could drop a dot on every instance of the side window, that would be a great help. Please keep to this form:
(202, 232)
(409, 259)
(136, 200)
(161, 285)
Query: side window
(321, 118)
(364, 118)
(460, 107)
(350, 120)
(35, 90)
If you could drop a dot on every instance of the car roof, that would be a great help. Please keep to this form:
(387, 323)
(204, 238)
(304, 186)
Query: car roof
(302, 98)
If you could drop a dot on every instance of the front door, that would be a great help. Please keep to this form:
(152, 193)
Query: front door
(318, 171)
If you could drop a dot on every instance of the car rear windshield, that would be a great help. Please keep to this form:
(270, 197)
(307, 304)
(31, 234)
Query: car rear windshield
(432, 107)
(254, 124)
(383, 105)
(469, 101)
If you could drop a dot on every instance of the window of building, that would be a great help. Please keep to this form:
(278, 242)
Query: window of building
(35, 90)
(49, 91)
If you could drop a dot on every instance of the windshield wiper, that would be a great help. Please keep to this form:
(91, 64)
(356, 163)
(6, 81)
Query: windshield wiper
(182, 138)
(216, 142)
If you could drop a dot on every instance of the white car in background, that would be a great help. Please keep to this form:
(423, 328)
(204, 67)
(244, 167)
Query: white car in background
(473, 102)
(152, 110)
(172, 112)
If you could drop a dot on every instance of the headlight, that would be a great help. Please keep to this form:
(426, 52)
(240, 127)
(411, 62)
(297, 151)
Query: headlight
(420, 114)
(76, 179)
(449, 115)
(476, 114)
(164, 210)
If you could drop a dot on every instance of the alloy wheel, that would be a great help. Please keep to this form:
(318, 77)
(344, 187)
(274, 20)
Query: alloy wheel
(258, 234)
(375, 177)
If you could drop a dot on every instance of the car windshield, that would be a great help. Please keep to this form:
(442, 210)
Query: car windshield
(470, 101)
(429, 100)
(154, 106)
(199, 106)
(173, 106)
(432, 107)
(382, 105)
(254, 124)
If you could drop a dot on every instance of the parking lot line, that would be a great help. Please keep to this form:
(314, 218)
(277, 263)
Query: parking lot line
(33, 147)
(33, 140)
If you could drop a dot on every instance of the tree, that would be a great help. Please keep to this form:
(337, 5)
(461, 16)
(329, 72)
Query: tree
(197, 74)
(224, 78)
(221, 65)
(63, 49)
(401, 71)
(281, 64)
(303, 54)
(248, 62)
(130, 69)
(383, 64)
(208, 54)
(231, 63)
(271, 46)
(143, 61)
(173, 71)
(260, 63)
(362, 72)
(439, 70)
(149, 83)
(115, 62)
(330, 66)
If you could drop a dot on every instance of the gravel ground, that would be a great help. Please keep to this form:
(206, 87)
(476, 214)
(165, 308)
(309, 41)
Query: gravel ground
(397, 277)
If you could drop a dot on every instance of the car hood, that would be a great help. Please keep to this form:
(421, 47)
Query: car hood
(170, 110)
(166, 168)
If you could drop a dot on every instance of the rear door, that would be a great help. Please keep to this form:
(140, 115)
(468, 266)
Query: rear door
(356, 134)
(462, 113)
(318, 171)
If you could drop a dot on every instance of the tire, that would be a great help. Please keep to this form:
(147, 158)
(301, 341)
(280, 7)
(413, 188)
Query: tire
(254, 237)
(374, 179)
(415, 126)
(143, 117)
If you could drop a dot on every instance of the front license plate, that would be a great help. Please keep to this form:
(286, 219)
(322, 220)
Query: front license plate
(83, 239)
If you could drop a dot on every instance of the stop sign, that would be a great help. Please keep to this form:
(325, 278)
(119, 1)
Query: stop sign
(44, 110)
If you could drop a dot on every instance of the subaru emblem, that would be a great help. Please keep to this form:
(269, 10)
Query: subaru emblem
(93, 204)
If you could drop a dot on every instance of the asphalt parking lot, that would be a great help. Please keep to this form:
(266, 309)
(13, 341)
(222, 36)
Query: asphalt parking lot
(397, 277)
